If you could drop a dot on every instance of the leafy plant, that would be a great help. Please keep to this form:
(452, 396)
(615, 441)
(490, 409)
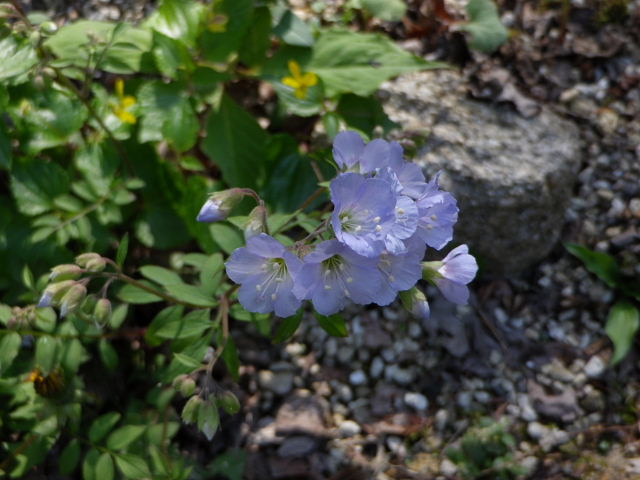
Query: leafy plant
(623, 320)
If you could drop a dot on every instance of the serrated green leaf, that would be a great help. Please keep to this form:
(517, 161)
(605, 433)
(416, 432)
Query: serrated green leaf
(160, 275)
(35, 184)
(170, 55)
(178, 19)
(123, 249)
(104, 467)
(292, 29)
(103, 425)
(123, 436)
(181, 126)
(388, 10)
(351, 62)
(334, 325)
(132, 466)
(288, 326)
(486, 29)
(226, 24)
(9, 348)
(69, 457)
(622, 326)
(598, 263)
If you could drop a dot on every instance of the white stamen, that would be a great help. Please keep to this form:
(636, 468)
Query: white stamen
(273, 296)
(357, 228)
(392, 278)
(349, 280)
(378, 228)
(258, 287)
(346, 292)
(400, 211)
(429, 227)
(376, 219)
(434, 217)
(327, 287)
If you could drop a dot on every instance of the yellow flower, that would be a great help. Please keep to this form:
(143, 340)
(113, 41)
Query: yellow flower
(298, 81)
(125, 102)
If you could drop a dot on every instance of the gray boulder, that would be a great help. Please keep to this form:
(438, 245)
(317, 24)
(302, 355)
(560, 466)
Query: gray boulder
(512, 176)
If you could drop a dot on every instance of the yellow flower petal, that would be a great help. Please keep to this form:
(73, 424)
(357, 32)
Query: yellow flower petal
(124, 116)
(301, 92)
(294, 68)
(120, 88)
(128, 101)
(291, 82)
(309, 79)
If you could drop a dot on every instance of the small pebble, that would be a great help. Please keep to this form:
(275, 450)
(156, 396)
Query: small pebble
(416, 401)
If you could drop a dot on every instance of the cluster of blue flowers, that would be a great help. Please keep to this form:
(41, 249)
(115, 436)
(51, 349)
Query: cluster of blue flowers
(385, 215)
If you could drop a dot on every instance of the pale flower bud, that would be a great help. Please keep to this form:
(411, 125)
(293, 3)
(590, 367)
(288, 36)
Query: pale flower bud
(84, 258)
(257, 222)
(229, 402)
(54, 292)
(415, 302)
(190, 409)
(67, 271)
(219, 205)
(102, 311)
(96, 264)
(72, 299)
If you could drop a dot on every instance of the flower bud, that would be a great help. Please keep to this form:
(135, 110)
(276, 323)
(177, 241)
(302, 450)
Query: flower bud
(257, 222)
(229, 402)
(219, 205)
(67, 271)
(430, 271)
(54, 292)
(96, 264)
(187, 387)
(190, 409)
(48, 27)
(415, 302)
(72, 299)
(83, 258)
(102, 311)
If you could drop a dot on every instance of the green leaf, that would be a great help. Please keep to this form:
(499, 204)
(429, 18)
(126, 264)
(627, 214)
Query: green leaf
(17, 56)
(9, 348)
(132, 466)
(162, 228)
(98, 163)
(598, 263)
(231, 359)
(160, 275)
(388, 10)
(5, 147)
(227, 24)
(104, 467)
(123, 249)
(170, 55)
(294, 31)
(102, 425)
(255, 44)
(486, 29)
(231, 464)
(311, 104)
(350, 62)
(35, 184)
(131, 294)
(236, 143)
(288, 326)
(178, 19)
(119, 48)
(364, 114)
(124, 435)
(190, 294)
(208, 418)
(334, 325)
(108, 354)
(181, 126)
(162, 321)
(211, 273)
(73, 355)
(69, 457)
(191, 325)
(228, 238)
(89, 465)
(622, 325)
(187, 361)
(46, 353)
(27, 277)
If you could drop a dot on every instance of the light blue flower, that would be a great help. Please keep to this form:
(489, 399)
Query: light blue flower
(400, 272)
(363, 213)
(334, 275)
(438, 213)
(266, 271)
(457, 270)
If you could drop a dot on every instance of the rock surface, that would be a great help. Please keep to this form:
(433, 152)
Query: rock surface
(512, 176)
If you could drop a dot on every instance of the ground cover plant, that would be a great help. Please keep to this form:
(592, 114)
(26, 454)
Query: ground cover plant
(157, 193)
